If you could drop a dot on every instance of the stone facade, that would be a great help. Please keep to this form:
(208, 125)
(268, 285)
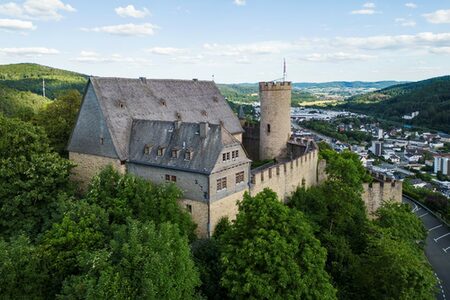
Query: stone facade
(88, 165)
(380, 191)
(275, 124)
(284, 178)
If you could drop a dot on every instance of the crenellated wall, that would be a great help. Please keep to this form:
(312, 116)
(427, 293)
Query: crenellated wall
(380, 191)
(284, 178)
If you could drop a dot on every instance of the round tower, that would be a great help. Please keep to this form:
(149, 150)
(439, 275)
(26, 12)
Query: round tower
(275, 123)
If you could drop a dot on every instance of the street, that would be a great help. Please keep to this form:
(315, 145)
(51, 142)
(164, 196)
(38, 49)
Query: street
(437, 247)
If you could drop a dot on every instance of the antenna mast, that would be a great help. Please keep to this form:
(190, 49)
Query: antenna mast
(284, 69)
(43, 87)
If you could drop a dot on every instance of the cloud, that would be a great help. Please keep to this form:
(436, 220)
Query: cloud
(131, 11)
(336, 57)
(129, 29)
(16, 25)
(188, 59)
(438, 17)
(368, 9)
(369, 5)
(165, 50)
(260, 48)
(239, 2)
(30, 51)
(405, 23)
(94, 57)
(36, 9)
(411, 5)
(440, 50)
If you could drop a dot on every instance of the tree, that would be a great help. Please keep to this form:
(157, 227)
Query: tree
(23, 275)
(58, 119)
(397, 271)
(34, 182)
(401, 223)
(270, 252)
(142, 262)
(125, 196)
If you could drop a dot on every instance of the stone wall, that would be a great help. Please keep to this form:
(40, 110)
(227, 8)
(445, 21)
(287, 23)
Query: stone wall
(199, 212)
(284, 178)
(380, 191)
(88, 165)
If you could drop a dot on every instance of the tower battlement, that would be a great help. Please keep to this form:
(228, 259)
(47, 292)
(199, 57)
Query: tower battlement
(275, 86)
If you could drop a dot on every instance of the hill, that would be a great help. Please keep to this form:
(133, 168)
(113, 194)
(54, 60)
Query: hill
(347, 84)
(28, 78)
(23, 105)
(430, 97)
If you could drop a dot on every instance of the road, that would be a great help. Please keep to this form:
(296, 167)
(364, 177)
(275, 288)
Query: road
(437, 247)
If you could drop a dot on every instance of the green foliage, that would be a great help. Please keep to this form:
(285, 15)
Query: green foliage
(124, 196)
(34, 182)
(397, 270)
(206, 254)
(22, 276)
(58, 119)
(24, 105)
(329, 129)
(270, 252)
(141, 262)
(28, 77)
(400, 222)
(430, 97)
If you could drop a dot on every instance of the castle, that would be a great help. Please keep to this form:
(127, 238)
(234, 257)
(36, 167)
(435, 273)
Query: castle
(183, 131)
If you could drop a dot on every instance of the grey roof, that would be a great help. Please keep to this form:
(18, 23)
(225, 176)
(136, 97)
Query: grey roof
(205, 151)
(123, 100)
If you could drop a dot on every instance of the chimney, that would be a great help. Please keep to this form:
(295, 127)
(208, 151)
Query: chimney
(204, 127)
(143, 79)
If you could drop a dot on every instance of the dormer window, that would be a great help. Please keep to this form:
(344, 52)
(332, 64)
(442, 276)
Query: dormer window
(160, 151)
(188, 155)
(174, 153)
(147, 149)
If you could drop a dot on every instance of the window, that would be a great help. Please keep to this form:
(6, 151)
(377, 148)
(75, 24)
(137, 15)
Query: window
(239, 177)
(101, 141)
(232, 155)
(174, 153)
(160, 151)
(188, 155)
(147, 149)
(228, 155)
(221, 183)
(268, 128)
(270, 173)
(189, 208)
(235, 154)
(171, 178)
(224, 157)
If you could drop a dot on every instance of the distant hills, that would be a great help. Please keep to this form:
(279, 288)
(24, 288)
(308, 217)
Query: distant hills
(347, 84)
(28, 78)
(430, 97)
(21, 87)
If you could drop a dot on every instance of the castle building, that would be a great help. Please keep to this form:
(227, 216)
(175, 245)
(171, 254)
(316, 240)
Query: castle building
(184, 132)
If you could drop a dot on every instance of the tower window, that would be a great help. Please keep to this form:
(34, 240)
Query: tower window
(189, 208)
(268, 128)
(101, 141)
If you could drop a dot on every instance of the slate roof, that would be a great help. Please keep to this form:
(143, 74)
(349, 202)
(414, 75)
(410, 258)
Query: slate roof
(123, 100)
(205, 151)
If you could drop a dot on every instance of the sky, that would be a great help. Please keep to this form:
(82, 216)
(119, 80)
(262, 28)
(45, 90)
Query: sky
(231, 41)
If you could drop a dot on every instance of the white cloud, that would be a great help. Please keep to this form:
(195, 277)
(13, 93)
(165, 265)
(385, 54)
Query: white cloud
(94, 57)
(423, 39)
(129, 29)
(239, 2)
(336, 57)
(17, 25)
(36, 9)
(405, 23)
(30, 51)
(260, 48)
(369, 5)
(368, 8)
(188, 59)
(165, 50)
(131, 11)
(411, 5)
(440, 50)
(438, 17)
